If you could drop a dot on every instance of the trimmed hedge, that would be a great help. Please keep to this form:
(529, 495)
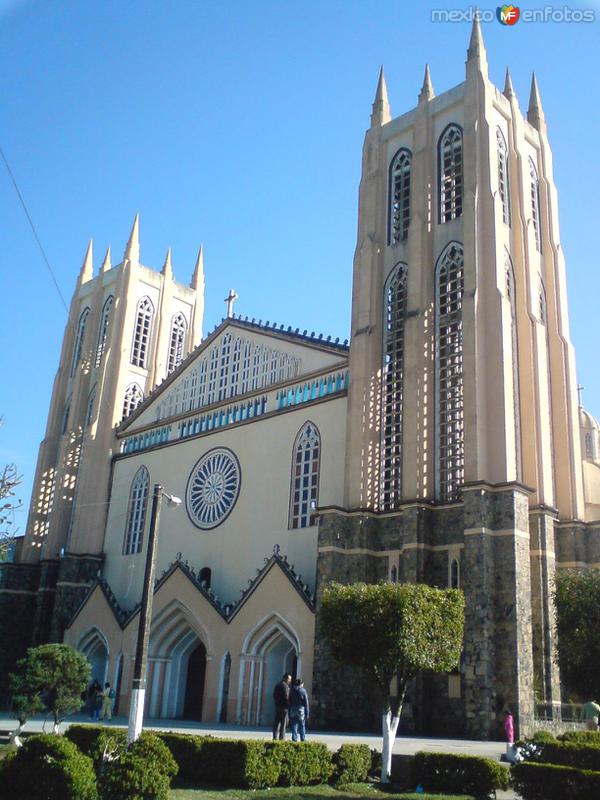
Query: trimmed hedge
(300, 764)
(571, 754)
(352, 763)
(553, 782)
(458, 774)
(48, 767)
(590, 737)
(185, 749)
(142, 771)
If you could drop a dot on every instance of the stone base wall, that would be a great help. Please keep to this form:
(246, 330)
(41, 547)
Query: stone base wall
(18, 601)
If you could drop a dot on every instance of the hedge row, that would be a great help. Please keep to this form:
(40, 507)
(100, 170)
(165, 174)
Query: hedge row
(579, 755)
(552, 782)
(246, 763)
(589, 737)
(459, 774)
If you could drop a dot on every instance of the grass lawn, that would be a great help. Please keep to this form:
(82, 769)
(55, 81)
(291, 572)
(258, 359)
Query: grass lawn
(355, 791)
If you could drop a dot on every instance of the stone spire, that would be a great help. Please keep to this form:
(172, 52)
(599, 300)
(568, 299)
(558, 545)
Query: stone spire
(509, 91)
(167, 269)
(426, 94)
(132, 251)
(87, 268)
(476, 55)
(198, 276)
(381, 107)
(535, 112)
(106, 265)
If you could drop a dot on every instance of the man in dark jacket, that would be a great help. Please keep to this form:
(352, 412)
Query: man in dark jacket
(280, 695)
(299, 710)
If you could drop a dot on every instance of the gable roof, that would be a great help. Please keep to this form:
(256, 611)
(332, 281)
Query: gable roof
(311, 341)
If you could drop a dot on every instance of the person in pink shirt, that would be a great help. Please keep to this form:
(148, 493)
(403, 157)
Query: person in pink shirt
(509, 728)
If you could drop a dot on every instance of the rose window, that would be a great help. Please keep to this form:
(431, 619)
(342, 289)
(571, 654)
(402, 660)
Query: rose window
(213, 488)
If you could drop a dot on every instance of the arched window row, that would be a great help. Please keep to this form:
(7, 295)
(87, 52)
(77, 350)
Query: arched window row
(503, 180)
(136, 512)
(231, 368)
(103, 329)
(450, 159)
(306, 459)
(393, 379)
(177, 342)
(399, 194)
(89, 413)
(133, 397)
(141, 335)
(79, 340)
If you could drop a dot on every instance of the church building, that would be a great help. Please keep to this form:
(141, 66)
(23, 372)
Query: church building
(444, 444)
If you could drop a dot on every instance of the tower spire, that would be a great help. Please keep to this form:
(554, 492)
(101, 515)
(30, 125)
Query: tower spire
(426, 92)
(132, 251)
(87, 268)
(476, 55)
(535, 112)
(198, 275)
(167, 269)
(381, 106)
(106, 265)
(509, 91)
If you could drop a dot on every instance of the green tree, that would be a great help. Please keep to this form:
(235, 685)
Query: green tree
(392, 631)
(53, 676)
(577, 600)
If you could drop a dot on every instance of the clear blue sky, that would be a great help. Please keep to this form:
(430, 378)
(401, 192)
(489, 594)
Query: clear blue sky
(240, 124)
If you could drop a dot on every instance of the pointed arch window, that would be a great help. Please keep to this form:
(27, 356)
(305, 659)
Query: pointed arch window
(141, 335)
(136, 512)
(193, 396)
(451, 173)
(543, 311)
(89, 412)
(511, 297)
(266, 360)
(306, 459)
(503, 182)
(79, 340)
(454, 574)
(65, 417)
(225, 365)
(393, 374)
(103, 330)
(177, 341)
(449, 356)
(212, 375)
(205, 576)
(202, 382)
(235, 367)
(534, 185)
(133, 397)
(256, 367)
(399, 193)
(246, 367)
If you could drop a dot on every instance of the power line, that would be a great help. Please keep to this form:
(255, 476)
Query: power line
(37, 238)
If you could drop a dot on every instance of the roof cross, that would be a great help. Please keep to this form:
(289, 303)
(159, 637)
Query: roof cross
(230, 300)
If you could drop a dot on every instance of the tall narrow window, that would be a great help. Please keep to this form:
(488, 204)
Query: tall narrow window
(65, 417)
(202, 382)
(89, 412)
(212, 375)
(511, 297)
(305, 476)
(177, 341)
(266, 360)
(393, 374)
(193, 396)
(399, 197)
(136, 512)
(141, 334)
(235, 367)
(103, 330)
(246, 367)
(454, 574)
(534, 185)
(543, 312)
(256, 366)
(79, 339)
(225, 366)
(449, 352)
(133, 397)
(451, 173)
(503, 185)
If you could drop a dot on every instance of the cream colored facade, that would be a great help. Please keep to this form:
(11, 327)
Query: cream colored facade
(446, 445)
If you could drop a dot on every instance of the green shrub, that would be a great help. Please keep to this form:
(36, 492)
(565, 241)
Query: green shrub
(142, 771)
(590, 737)
(352, 763)
(108, 745)
(48, 767)
(236, 763)
(543, 737)
(185, 749)
(84, 736)
(446, 772)
(552, 782)
(300, 764)
(571, 754)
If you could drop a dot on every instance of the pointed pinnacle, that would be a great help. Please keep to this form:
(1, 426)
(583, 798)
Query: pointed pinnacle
(381, 107)
(87, 268)
(132, 251)
(198, 276)
(426, 92)
(476, 53)
(509, 91)
(167, 269)
(535, 112)
(106, 265)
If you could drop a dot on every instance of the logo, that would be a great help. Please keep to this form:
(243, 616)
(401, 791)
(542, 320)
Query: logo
(508, 15)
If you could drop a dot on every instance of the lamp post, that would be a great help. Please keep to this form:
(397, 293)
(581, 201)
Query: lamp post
(138, 690)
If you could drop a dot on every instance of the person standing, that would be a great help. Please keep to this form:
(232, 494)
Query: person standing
(509, 731)
(281, 696)
(107, 700)
(591, 714)
(299, 710)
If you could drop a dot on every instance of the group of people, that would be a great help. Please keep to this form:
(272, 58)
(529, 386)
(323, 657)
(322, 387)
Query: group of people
(291, 701)
(99, 701)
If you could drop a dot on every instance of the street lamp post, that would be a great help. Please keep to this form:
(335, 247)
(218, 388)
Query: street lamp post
(138, 691)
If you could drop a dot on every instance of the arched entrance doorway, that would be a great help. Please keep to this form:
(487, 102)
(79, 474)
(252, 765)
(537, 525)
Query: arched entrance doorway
(94, 647)
(270, 650)
(177, 665)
